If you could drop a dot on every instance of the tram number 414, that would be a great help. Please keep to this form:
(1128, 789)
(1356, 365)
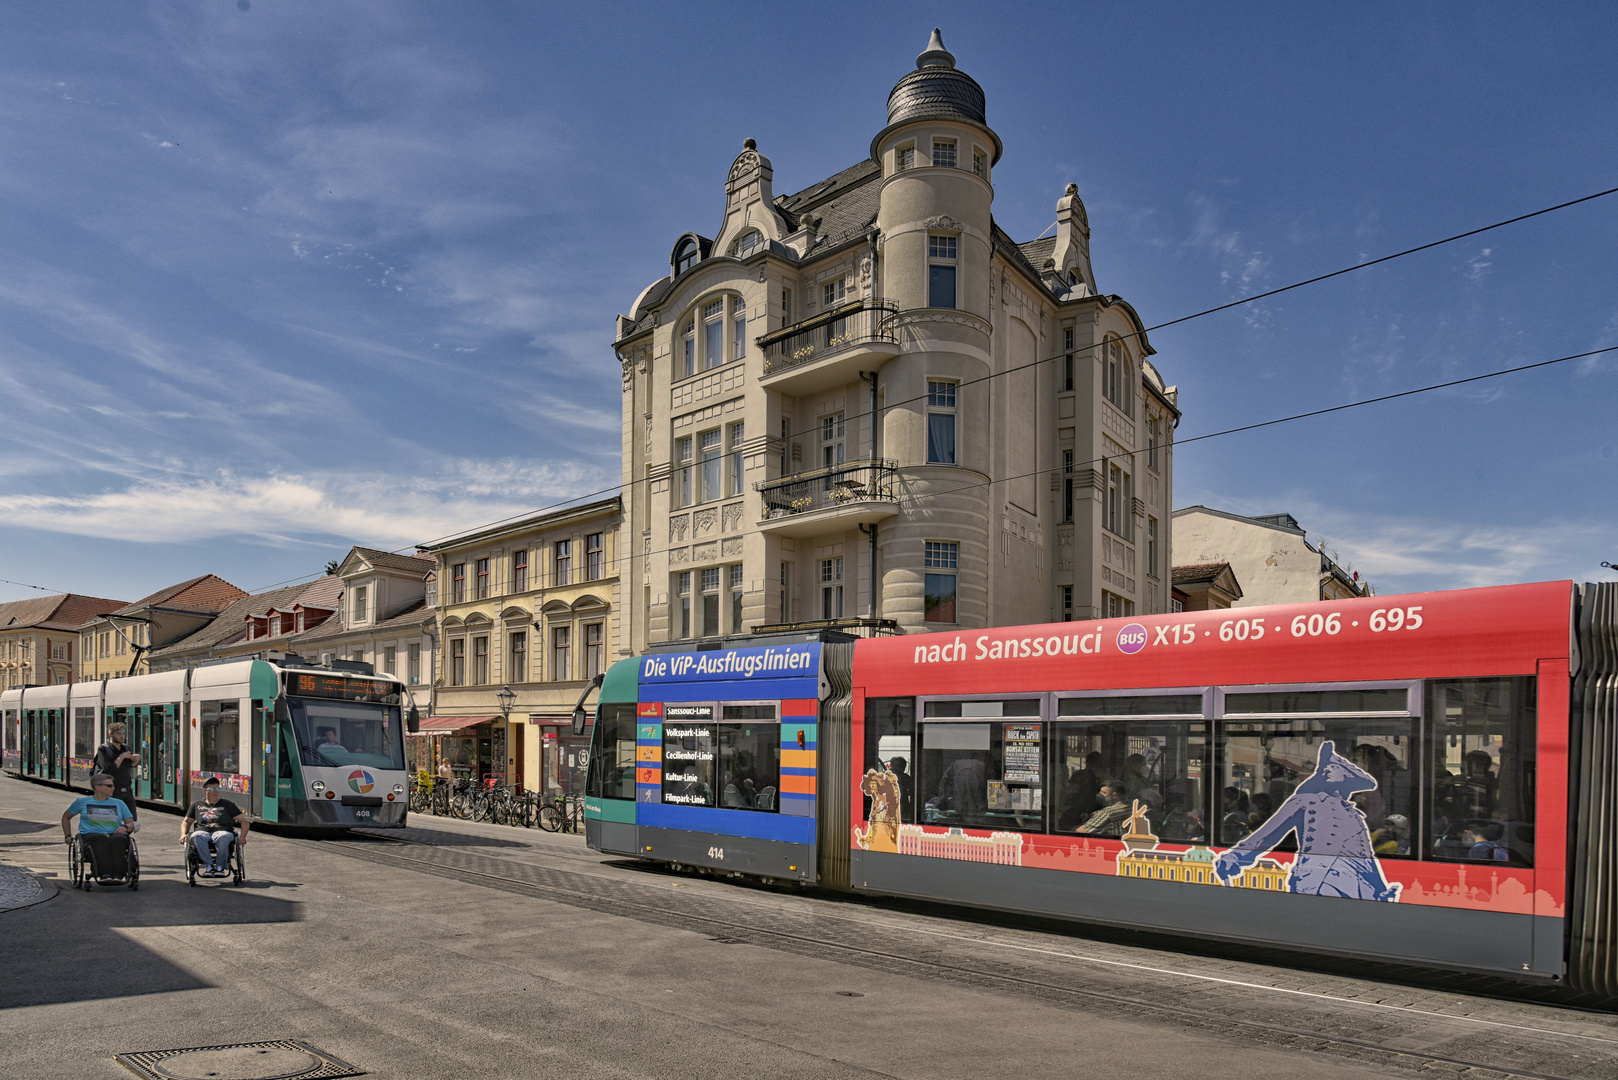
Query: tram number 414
(717, 854)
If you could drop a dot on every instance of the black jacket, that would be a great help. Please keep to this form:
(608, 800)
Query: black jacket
(122, 775)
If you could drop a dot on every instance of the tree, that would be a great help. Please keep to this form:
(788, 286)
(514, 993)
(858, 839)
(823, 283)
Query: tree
(332, 567)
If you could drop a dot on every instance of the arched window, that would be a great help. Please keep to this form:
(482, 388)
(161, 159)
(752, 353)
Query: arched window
(747, 243)
(686, 257)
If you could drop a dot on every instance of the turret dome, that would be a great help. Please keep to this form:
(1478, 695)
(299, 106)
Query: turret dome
(937, 91)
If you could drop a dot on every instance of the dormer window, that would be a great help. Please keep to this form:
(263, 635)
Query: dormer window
(747, 243)
(686, 257)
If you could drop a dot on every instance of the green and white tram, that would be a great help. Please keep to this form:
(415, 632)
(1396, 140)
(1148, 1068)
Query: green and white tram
(313, 747)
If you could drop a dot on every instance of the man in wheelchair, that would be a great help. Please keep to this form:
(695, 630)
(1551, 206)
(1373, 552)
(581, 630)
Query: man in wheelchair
(105, 825)
(207, 827)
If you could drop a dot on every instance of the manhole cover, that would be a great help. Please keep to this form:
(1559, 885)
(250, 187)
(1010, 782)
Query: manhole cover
(284, 1059)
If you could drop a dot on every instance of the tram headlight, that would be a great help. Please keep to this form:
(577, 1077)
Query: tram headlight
(318, 786)
(398, 789)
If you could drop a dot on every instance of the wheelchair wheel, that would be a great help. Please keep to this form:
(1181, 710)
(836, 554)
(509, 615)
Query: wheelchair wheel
(75, 864)
(134, 865)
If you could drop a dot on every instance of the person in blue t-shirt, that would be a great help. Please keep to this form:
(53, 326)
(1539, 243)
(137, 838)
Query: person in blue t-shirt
(105, 825)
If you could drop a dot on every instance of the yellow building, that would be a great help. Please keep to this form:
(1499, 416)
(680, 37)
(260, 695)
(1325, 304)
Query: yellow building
(528, 615)
(39, 641)
(1142, 858)
(117, 643)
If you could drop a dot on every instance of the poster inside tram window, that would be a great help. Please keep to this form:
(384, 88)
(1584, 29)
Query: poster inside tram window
(1022, 749)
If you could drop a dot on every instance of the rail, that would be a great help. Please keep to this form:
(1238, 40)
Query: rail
(823, 489)
(835, 330)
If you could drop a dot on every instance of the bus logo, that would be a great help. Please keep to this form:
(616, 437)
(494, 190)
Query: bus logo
(1132, 638)
(362, 781)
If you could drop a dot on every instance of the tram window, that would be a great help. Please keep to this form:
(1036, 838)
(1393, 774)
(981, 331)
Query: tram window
(84, 731)
(219, 734)
(1348, 700)
(612, 758)
(995, 707)
(1160, 764)
(983, 775)
(337, 733)
(749, 758)
(1145, 705)
(1263, 762)
(890, 729)
(1484, 736)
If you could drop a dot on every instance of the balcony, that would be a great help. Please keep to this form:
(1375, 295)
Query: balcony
(829, 500)
(831, 348)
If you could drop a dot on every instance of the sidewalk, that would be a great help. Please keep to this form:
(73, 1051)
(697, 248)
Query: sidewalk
(20, 889)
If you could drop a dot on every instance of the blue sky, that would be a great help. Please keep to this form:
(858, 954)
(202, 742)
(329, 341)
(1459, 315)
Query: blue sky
(280, 277)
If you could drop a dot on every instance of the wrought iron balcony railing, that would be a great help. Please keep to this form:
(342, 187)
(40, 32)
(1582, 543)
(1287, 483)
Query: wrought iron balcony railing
(824, 489)
(834, 330)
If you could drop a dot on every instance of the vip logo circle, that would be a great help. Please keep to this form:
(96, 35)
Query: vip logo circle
(1132, 638)
(361, 781)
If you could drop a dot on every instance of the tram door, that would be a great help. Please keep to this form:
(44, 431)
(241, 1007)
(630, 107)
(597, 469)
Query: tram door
(140, 739)
(260, 752)
(56, 742)
(30, 744)
(165, 752)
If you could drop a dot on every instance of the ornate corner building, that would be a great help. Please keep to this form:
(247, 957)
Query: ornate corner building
(866, 406)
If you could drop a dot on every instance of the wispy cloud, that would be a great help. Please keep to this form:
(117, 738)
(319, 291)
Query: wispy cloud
(287, 508)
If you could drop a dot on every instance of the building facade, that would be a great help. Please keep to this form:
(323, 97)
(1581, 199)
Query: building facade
(39, 639)
(381, 618)
(119, 643)
(1271, 556)
(865, 405)
(529, 609)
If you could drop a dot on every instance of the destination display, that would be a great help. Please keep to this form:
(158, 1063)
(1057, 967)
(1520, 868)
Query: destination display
(341, 687)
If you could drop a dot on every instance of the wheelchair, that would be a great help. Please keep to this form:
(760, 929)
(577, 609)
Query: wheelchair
(81, 867)
(194, 863)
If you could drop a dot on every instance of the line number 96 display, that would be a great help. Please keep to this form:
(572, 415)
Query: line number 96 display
(1396, 619)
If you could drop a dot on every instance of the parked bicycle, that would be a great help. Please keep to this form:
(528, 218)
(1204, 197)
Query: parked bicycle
(563, 813)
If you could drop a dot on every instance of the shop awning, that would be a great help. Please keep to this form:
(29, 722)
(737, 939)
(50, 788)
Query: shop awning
(446, 725)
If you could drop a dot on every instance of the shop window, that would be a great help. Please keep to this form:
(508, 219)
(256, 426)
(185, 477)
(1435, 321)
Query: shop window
(1265, 755)
(1484, 738)
(981, 765)
(612, 760)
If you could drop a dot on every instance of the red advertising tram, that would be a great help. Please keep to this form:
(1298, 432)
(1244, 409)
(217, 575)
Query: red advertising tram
(1425, 778)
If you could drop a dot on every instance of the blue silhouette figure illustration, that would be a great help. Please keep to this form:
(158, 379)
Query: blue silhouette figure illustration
(1335, 856)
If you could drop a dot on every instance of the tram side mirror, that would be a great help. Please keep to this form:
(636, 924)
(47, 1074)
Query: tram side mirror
(413, 720)
(579, 720)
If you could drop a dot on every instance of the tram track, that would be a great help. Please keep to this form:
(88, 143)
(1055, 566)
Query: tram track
(1410, 1039)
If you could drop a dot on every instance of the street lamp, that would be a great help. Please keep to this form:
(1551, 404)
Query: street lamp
(507, 698)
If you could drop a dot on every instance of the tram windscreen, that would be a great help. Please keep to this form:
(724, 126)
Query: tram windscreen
(336, 733)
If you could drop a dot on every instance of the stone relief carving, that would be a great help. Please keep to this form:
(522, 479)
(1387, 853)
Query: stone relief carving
(865, 270)
(731, 545)
(1064, 548)
(702, 553)
(679, 556)
(677, 527)
(629, 375)
(942, 221)
(733, 517)
(705, 521)
(746, 163)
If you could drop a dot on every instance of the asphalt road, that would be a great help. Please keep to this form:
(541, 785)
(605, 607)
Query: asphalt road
(457, 949)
